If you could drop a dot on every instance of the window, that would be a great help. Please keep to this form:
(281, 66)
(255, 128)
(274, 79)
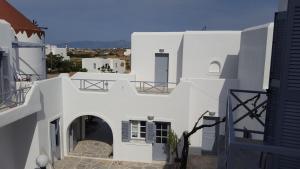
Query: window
(162, 130)
(138, 129)
(214, 67)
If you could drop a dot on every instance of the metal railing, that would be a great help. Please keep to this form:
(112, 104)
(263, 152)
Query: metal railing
(255, 108)
(153, 87)
(141, 86)
(28, 77)
(13, 98)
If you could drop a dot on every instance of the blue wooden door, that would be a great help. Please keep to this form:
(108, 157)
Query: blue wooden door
(161, 68)
(160, 150)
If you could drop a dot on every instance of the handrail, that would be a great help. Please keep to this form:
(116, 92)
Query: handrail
(231, 143)
(142, 86)
(148, 86)
(27, 77)
(13, 98)
(92, 84)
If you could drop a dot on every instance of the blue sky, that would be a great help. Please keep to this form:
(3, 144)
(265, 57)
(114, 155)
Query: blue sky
(108, 20)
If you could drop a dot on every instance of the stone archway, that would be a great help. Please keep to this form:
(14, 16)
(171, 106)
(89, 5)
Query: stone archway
(90, 136)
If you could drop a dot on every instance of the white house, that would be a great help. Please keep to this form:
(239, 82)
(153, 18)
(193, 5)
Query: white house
(127, 52)
(175, 77)
(28, 43)
(57, 51)
(102, 65)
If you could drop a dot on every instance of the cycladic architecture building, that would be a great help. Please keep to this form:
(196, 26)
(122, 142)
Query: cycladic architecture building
(25, 51)
(57, 51)
(104, 65)
(175, 77)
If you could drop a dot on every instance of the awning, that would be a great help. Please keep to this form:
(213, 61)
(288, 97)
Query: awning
(27, 45)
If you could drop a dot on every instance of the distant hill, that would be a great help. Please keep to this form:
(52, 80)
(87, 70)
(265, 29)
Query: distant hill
(97, 44)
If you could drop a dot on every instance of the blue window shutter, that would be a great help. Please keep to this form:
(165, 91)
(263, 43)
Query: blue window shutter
(126, 130)
(282, 121)
(150, 132)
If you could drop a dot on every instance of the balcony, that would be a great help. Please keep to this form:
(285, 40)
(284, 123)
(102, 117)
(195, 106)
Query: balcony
(13, 98)
(245, 145)
(143, 87)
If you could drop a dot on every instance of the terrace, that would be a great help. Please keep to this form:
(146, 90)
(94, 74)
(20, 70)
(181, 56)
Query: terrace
(244, 147)
(143, 87)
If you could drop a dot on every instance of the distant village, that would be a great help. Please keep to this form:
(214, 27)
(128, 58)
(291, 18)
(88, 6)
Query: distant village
(69, 60)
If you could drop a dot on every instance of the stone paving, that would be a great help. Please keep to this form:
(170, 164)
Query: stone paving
(92, 148)
(202, 162)
(92, 163)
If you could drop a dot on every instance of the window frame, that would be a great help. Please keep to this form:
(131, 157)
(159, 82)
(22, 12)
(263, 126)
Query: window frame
(139, 131)
(161, 136)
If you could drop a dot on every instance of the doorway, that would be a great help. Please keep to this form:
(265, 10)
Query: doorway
(161, 69)
(160, 149)
(90, 136)
(55, 140)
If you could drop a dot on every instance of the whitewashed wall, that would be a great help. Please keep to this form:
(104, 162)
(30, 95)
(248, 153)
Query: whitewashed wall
(32, 60)
(19, 135)
(254, 69)
(10, 55)
(255, 57)
(92, 78)
(19, 144)
(51, 99)
(211, 95)
(145, 45)
(130, 106)
(201, 48)
(57, 51)
(115, 64)
(26, 127)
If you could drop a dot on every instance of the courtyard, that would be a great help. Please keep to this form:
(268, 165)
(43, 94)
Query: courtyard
(75, 162)
(94, 163)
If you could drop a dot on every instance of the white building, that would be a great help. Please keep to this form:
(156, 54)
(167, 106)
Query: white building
(175, 77)
(57, 51)
(29, 55)
(103, 65)
(127, 52)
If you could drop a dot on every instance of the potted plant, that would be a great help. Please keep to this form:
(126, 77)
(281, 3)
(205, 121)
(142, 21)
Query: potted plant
(172, 144)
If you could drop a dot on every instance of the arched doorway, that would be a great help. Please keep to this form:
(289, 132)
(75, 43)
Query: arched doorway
(90, 136)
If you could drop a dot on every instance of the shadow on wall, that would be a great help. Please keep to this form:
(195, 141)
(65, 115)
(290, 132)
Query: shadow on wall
(41, 115)
(28, 65)
(229, 71)
(98, 129)
(230, 67)
(15, 143)
(179, 61)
